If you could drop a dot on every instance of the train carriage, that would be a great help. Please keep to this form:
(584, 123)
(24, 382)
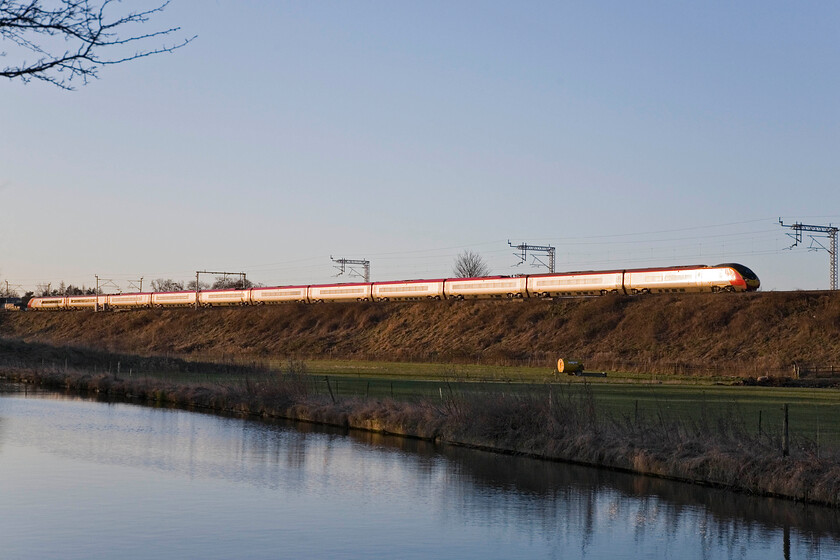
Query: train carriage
(715, 279)
(486, 287)
(576, 284)
(661, 280)
(340, 292)
(212, 298)
(129, 301)
(408, 290)
(284, 294)
(173, 299)
(86, 302)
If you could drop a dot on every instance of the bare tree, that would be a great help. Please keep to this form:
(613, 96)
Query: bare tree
(470, 265)
(166, 285)
(231, 283)
(72, 290)
(8, 292)
(201, 285)
(46, 290)
(58, 41)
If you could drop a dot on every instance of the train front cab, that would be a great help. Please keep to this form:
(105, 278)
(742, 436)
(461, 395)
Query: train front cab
(750, 280)
(47, 303)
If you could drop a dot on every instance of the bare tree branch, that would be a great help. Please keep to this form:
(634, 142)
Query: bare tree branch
(72, 39)
(470, 265)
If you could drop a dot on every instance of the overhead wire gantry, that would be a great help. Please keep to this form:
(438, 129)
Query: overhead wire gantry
(523, 254)
(828, 231)
(344, 263)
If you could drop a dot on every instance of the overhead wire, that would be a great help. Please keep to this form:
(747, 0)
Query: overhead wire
(750, 242)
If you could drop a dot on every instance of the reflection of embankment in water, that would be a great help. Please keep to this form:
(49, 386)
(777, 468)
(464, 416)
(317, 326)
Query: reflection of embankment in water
(6, 389)
(552, 492)
(584, 486)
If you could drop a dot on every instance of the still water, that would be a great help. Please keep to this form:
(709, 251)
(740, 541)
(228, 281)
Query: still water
(83, 479)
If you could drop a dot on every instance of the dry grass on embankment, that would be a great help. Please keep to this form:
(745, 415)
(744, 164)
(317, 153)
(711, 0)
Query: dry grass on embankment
(549, 424)
(746, 335)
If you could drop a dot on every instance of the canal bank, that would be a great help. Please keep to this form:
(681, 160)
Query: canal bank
(550, 424)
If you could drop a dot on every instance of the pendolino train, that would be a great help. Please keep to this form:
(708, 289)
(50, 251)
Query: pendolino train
(729, 277)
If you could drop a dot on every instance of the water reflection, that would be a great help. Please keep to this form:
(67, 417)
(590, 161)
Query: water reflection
(593, 495)
(482, 502)
(567, 499)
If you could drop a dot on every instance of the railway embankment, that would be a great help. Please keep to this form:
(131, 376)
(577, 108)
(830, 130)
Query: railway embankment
(744, 335)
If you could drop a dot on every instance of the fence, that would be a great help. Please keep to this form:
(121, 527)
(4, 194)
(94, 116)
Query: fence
(815, 371)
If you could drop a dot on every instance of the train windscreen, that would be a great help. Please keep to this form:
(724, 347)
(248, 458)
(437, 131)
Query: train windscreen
(742, 270)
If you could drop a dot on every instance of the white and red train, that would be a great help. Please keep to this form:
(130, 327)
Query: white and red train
(721, 278)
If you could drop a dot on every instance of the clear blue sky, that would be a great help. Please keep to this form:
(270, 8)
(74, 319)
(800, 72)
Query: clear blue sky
(626, 134)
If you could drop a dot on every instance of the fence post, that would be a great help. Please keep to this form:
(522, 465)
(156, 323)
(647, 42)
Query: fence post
(786, 435)
(759, 423)
(327, 379)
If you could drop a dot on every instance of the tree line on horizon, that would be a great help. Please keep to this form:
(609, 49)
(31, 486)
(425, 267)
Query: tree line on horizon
(158, 285)
(467, 265)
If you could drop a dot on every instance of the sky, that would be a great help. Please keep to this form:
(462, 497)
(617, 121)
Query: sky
(625, 134)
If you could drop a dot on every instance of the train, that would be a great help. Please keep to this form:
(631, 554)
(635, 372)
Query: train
(729, 277)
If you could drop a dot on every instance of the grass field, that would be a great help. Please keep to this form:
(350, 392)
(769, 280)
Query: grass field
(814, 414)
(495, 373)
